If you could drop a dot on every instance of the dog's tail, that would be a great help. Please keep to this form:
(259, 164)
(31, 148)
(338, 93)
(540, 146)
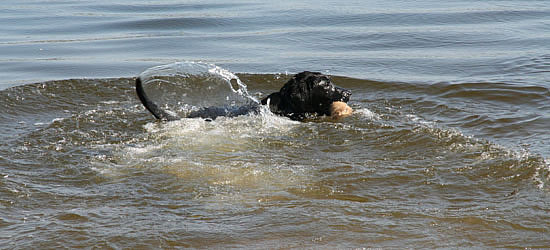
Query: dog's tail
(151, 106)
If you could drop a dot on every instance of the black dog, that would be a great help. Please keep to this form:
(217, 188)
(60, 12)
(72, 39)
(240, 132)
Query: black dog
(304, 95)
(307, 93)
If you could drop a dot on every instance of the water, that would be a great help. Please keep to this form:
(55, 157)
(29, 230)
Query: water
(448, 146)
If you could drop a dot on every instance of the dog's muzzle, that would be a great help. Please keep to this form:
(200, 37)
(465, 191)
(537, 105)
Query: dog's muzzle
(342, 95)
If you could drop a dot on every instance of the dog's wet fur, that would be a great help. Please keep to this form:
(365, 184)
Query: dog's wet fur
(306, 94)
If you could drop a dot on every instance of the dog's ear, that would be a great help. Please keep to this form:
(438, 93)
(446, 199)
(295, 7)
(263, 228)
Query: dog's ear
(295, 93)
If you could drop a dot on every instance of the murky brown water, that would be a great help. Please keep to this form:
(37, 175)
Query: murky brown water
(447, 148)
(95, 169)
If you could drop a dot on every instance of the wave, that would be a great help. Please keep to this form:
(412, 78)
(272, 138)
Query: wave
(458, 133)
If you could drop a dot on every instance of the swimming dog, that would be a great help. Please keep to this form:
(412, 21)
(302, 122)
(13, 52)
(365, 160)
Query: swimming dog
(305, 95)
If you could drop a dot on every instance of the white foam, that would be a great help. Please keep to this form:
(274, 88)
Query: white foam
(59, 119)
(214, 156)
(542, 175)
(420, 121)
(208, 154)
(368, 114)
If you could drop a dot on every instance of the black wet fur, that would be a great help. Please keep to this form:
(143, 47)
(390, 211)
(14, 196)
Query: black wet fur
(215, 112)
(305, 94)
(151, 106)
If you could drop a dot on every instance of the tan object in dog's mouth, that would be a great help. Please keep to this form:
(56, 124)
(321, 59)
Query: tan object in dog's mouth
(340, 110)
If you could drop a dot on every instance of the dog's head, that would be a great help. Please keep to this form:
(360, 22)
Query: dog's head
(306, 93)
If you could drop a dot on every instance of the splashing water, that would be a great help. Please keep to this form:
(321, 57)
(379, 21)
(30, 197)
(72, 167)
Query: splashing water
(183, 87)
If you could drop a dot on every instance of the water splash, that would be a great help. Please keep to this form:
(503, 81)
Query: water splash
(367, 114)
(183, 87)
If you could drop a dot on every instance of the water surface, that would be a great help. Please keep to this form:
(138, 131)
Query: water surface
(448, 145)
